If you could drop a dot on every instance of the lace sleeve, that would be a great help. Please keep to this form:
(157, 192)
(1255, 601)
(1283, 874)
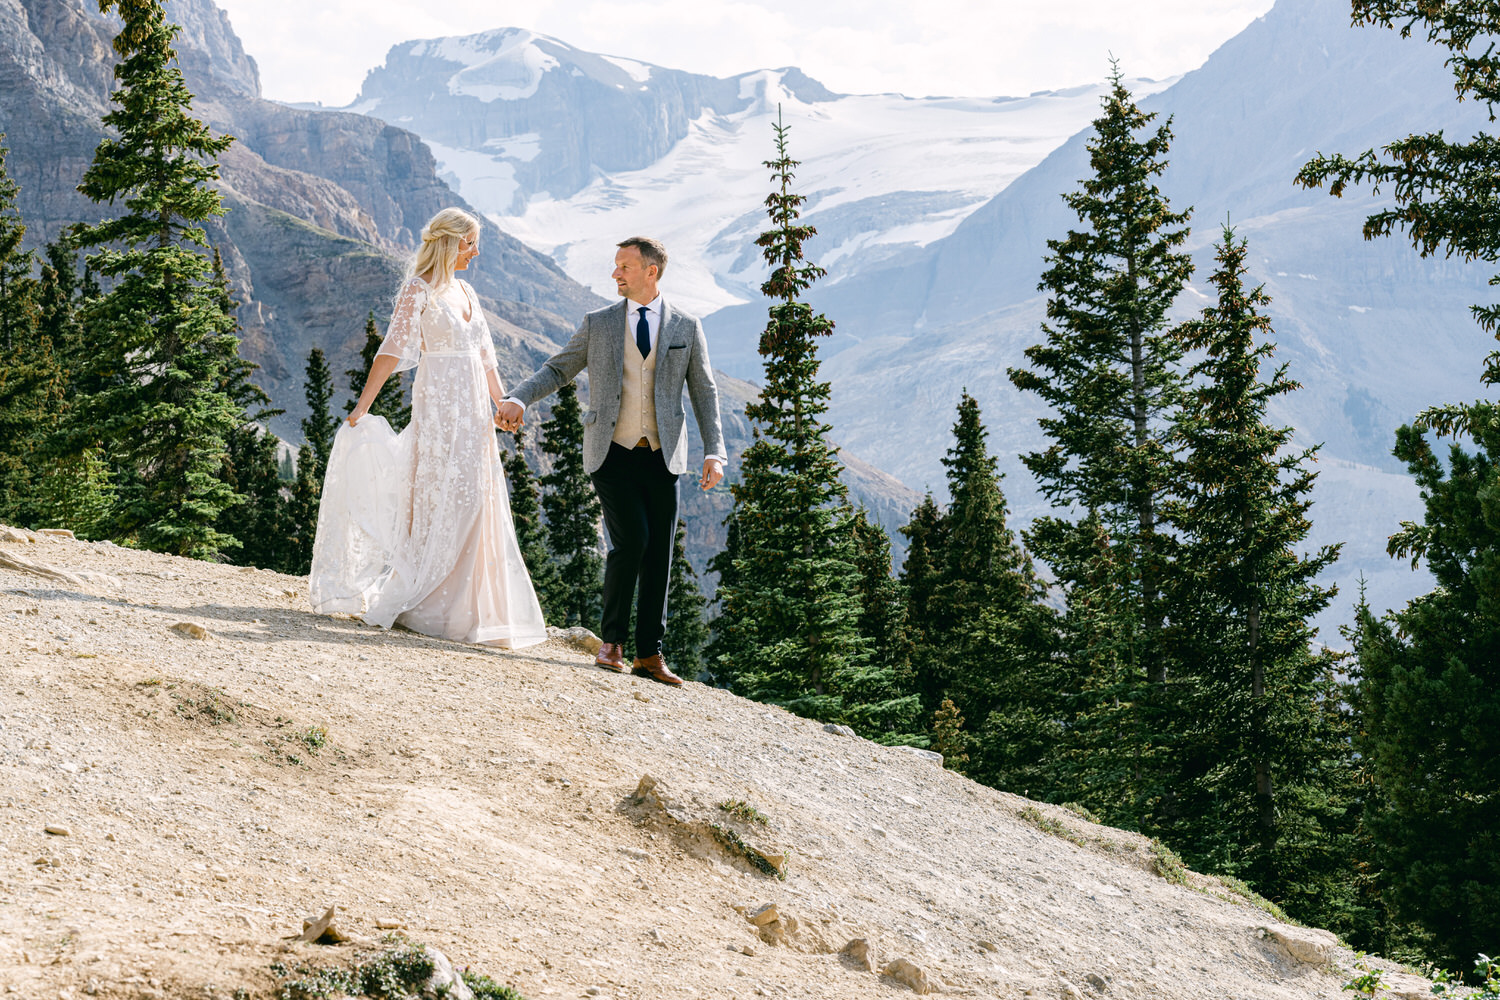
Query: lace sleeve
(486, 335)
(403, 339)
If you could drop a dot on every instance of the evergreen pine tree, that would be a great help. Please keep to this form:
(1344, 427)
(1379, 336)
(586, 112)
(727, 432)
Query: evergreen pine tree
(987, 637)
(1109, 372)
(794, 601)
(919, 574)
(728, 646)
(878, 701)
(390, 401)
(1248, 772)
(302, 514)
(531, 533)
(17, 287)
(573, 512)
(1429, 673)
(158, 333)
(949, 738)
(320, 425)
(29, 378)
(687, 632)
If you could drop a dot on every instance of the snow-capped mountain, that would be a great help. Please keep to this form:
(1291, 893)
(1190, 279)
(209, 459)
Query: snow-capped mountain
(572, 151)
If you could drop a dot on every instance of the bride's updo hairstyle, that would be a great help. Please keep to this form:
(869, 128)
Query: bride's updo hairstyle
(439, 250)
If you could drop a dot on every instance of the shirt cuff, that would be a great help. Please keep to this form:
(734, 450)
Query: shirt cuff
(716, 458)
(512, 399)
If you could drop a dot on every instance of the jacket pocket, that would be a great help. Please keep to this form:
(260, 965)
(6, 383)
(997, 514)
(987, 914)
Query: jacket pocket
(590, 416)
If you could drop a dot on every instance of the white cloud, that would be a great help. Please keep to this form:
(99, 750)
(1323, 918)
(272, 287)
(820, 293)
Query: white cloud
(321, 49)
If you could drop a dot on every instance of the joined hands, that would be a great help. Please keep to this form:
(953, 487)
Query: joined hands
(510, 416)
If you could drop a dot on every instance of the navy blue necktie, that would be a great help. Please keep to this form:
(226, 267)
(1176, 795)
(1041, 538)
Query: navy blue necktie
(643, 333)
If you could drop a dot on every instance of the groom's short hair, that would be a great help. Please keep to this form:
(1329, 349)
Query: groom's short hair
(652, 252)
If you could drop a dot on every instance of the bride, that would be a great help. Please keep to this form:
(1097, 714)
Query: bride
(415, 527)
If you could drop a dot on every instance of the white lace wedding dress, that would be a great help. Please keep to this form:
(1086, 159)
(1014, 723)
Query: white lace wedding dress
(415, 527)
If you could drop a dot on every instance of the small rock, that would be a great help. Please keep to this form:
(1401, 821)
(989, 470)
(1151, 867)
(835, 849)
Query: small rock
(444, 982)
(1097, 981)
(908, 974)
(59, 831)
(190, 630)
(56, 533)
(747, 950)
(988, 946)
(322, 930)
(636, 853)
(928, 755)
(578, 637)
(861, 952)
(763, 915)
(593, 991)
(388, 924)
(877, 831)
(1304, 944)
(642, 696)
(839, 730)
(9, 534)
(1072, 990)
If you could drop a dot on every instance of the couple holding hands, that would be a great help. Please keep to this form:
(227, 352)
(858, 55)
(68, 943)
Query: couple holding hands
(416, 528)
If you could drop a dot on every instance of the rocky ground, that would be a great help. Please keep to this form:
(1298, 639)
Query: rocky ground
(192, 764)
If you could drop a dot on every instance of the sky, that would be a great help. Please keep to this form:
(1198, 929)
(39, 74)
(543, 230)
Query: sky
(320, 50)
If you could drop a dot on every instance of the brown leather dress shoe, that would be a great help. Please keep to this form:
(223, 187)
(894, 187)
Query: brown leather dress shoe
(611, 656)
(655, 668)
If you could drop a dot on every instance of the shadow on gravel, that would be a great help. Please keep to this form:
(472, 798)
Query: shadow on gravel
(303, 626)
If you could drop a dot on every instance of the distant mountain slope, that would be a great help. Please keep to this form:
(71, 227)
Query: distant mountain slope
(571, 151)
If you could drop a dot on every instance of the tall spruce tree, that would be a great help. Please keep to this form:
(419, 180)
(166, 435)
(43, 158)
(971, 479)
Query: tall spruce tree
(390, 402)
(1109, 373)
(29, 377)
(17, 287)
(878, 700)
(987, 635)
(1429, 687)
(573, 512)
(728, 645)
(320, 425)
(794, 602)
(531, 532)
(159, 334)
(687, 632)
(1249, 773)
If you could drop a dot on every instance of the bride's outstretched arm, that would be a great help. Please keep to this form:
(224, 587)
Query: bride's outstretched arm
(380, 370)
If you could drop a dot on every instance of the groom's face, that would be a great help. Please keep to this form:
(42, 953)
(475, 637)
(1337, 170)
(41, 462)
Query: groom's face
(635, 279)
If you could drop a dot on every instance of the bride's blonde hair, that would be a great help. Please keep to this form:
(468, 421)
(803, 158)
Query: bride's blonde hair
(439, 250)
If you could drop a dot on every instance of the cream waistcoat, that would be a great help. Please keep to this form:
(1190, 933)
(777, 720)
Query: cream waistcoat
(638, 398)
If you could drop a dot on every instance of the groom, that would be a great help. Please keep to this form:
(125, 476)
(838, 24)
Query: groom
(639, 353)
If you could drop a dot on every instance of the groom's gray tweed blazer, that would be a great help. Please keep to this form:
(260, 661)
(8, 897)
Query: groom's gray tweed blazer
(599, 346)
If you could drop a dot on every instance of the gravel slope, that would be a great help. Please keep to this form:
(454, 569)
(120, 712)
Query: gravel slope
(211, 793)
